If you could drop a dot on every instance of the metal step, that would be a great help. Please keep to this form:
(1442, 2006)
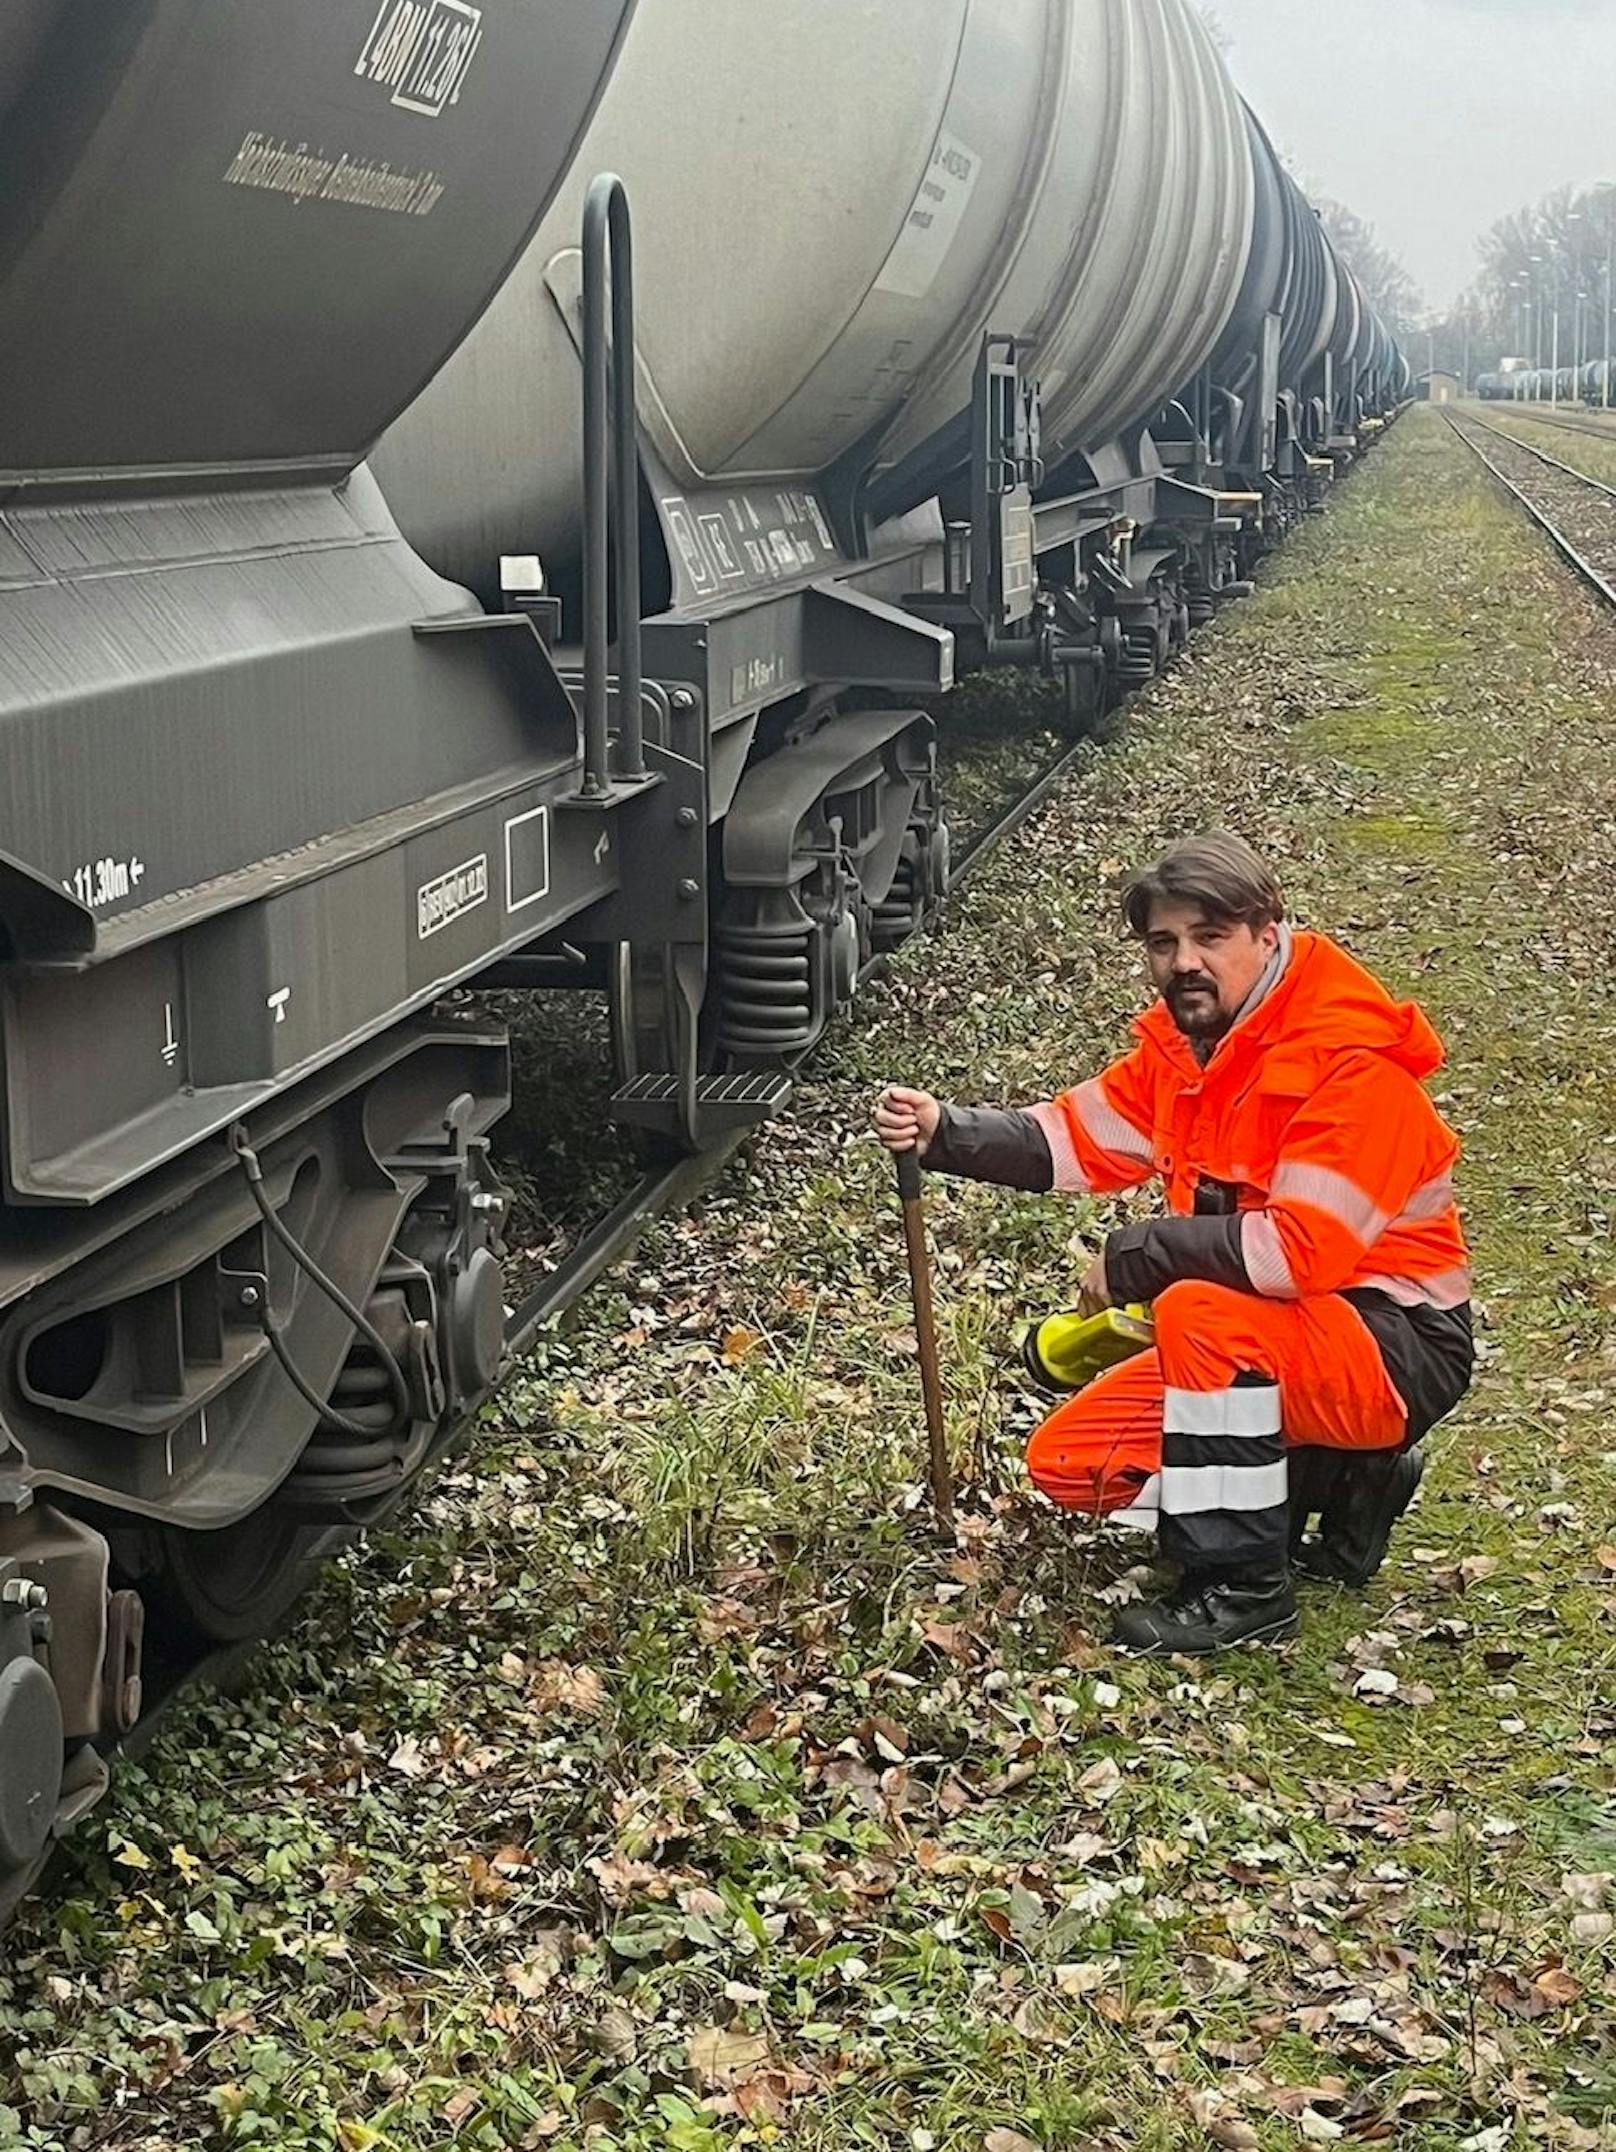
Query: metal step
(723, 1103)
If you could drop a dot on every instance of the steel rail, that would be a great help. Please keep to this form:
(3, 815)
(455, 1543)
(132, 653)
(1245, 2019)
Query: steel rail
(1557, 537)
(1021, 809)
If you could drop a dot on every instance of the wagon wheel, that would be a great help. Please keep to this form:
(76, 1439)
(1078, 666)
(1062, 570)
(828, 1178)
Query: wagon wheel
(650, 1029)
(227, 1586)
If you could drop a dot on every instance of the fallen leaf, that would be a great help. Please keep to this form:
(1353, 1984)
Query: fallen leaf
(614, 2035)
(407, 1759)
(1375, 1681)
(757, 2102)
(719, 2055)
(1587, 1892)
(1008, 2141)
(1221, 2124)
(530, 1978)
(1415, 2097)
(1556, 1985)
(130, 1856)
(738, 1344)
(1102, 1781)
(571, 1688)
(885, 1737)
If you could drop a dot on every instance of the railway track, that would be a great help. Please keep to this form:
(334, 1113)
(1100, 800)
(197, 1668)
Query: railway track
(1575, 512)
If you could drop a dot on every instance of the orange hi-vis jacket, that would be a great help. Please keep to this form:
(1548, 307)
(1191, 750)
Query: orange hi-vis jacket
(1308, 1126)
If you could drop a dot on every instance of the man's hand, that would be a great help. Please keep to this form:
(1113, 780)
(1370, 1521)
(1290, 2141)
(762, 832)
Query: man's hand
(1094, 1294)
(906, 1120)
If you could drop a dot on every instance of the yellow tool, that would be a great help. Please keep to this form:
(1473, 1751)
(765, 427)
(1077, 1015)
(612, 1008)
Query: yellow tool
(1066, 1352)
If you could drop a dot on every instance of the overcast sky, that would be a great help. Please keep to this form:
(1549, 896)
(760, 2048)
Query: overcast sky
(1432, 118)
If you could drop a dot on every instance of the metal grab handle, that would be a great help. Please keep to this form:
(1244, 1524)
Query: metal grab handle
(611, 466)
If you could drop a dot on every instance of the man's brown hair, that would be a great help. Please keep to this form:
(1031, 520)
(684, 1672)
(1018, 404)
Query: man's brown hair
(1220, 875)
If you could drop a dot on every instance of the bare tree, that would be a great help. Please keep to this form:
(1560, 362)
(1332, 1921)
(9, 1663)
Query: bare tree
(1388, 285)
(1551, 263)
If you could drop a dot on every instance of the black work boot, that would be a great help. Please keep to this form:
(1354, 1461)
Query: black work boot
(1370, 1493)
(1222, 1612)
(1312, 1476)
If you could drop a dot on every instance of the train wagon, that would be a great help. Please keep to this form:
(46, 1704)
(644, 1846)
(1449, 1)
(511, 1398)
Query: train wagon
(499, 492)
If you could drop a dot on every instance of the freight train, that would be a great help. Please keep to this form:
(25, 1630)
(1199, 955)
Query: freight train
(1593, 384)
(427, 560)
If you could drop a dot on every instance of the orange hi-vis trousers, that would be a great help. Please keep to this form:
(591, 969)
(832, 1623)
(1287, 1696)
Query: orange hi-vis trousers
(1197, 1428)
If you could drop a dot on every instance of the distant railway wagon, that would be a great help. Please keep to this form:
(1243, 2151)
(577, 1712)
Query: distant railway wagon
(1593, 383)
(344, 667)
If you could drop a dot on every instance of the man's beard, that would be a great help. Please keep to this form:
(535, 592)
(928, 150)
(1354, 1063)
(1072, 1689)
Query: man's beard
(1198, 1014)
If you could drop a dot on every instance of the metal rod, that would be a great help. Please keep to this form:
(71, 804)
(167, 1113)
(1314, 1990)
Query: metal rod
(626, 470)
(597, 479)
(1610, 285)
(612, 485)
(931, 1380)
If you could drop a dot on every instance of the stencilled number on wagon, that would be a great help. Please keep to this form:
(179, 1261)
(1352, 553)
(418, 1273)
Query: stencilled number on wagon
(935, 216)
(100, 882)
(421, 51)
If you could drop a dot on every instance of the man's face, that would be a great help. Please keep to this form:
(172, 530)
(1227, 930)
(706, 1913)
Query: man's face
(1204, 969)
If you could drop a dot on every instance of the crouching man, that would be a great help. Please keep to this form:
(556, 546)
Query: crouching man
(1310, 1286)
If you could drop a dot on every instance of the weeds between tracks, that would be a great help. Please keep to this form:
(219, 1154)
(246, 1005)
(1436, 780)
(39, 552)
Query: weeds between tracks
(662, 1760)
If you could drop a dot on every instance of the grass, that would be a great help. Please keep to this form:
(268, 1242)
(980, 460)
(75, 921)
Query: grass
(664, 1782)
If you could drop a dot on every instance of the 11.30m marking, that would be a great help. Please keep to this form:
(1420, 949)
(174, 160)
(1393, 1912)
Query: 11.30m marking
(105, 881)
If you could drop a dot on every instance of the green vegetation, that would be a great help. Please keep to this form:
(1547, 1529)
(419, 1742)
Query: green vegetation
(662, 1783)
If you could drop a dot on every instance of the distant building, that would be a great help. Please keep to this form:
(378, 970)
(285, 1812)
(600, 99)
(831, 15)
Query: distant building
(1439, 388)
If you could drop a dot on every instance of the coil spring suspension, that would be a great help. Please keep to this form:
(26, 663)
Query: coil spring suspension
(1203, 604)
(766, 990)
(362, 1395)
(898, 914)
(1136, 660)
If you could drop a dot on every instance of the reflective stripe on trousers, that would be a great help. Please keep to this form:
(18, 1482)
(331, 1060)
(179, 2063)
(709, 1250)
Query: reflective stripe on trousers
(1221, 1358)
(1224, 1486)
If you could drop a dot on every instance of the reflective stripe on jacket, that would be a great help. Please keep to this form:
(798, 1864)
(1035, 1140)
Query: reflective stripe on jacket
(1309, 1123)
